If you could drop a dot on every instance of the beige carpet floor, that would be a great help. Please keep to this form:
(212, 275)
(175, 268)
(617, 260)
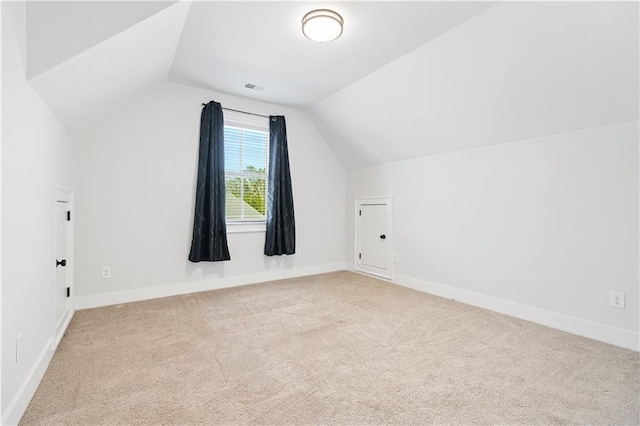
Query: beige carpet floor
(336, 348)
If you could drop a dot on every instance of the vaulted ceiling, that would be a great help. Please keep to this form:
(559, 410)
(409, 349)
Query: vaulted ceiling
(406, 79)
(227, 44)
(518, 70)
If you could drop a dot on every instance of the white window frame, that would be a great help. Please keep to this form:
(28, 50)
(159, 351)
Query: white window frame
(251, 122)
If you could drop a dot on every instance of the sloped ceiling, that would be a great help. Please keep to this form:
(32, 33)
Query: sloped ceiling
(84, 89)
(518, 70)
(407, 79)
(225, 45)
(58, 31)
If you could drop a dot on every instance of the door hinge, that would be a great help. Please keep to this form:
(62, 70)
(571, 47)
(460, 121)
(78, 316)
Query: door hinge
(360, 214)
(68, 215)
(68, 291)
(359, 255)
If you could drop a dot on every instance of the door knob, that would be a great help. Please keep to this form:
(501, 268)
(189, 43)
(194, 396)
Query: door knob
(382, 237)
(62, 262)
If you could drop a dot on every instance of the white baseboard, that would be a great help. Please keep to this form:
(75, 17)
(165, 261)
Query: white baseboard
(18, 405)
(115, 298)
(58, 337)
(616, 336)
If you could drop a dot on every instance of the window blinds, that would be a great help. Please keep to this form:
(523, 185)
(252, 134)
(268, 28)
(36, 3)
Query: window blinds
(246, 145)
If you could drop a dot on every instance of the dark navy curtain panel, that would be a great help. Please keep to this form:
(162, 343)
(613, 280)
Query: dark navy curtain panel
(281, 227)
(209, 241)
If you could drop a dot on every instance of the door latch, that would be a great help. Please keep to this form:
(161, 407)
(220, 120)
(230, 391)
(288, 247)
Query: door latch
(62, 262)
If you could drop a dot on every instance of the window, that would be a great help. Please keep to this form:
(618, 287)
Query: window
(246, 156)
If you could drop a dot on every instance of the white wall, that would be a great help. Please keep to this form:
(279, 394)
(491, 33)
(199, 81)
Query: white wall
(549, 224)
(36, 154)
(135, 202)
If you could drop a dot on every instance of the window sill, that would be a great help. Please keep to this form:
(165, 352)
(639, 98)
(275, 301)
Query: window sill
(242, 227)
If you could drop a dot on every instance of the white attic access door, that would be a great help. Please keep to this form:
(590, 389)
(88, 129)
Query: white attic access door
(373, 236)
(63, 250)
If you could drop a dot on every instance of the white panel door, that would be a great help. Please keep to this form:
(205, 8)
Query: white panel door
(62, 300)
(373, 230)
(373, 240)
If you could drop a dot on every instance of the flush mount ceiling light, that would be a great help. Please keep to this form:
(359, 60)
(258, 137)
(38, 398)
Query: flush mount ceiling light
(322, 25)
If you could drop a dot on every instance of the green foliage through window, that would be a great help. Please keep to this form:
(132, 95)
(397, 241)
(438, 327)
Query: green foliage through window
(246, 163)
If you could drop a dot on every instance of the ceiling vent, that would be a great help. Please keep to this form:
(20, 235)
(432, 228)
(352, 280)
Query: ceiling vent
(254, 87)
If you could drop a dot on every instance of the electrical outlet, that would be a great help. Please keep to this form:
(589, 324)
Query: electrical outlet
(106, 272)
(395, 258)
(616, 299)
(19, 346)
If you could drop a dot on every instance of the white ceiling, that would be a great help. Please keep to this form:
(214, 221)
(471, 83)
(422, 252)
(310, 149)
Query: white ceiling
(406, 79)
(84, 89)
(225, 45)
(57, 31)
(519, 70)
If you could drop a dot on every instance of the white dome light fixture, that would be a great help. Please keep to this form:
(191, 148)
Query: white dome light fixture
(322, 25)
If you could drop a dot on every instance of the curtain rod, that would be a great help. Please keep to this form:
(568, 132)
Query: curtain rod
(243, 112)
